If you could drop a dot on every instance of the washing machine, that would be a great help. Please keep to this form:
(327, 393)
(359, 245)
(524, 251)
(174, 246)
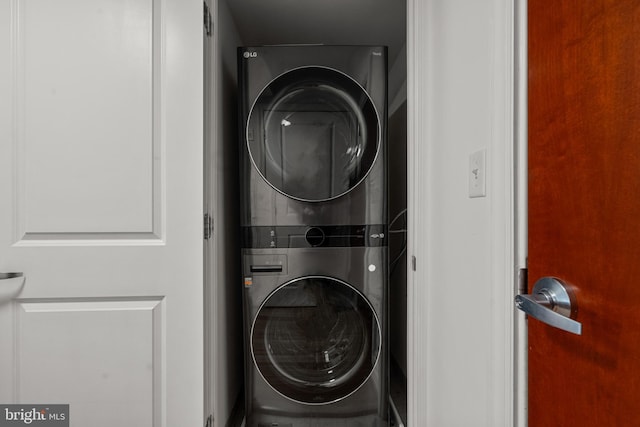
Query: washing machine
(313, 135)
(312, 125)
(315, 336)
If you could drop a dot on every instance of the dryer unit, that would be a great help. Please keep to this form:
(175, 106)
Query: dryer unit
(313, 126)
(316, 345)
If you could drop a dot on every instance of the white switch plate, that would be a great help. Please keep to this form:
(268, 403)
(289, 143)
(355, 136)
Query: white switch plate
(477, 174)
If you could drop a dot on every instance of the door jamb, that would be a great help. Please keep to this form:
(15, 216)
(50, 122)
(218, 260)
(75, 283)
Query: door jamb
(521, 205)
(416, 345)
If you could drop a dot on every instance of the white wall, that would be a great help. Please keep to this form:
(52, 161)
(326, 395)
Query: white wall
(460, 297)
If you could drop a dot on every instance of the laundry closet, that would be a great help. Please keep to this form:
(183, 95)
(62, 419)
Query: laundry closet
(256, 23)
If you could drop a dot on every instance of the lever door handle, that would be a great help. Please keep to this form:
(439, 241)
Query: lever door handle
(9, 275)
(553, 303)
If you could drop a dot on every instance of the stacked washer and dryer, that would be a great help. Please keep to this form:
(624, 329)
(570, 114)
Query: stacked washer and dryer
(314, 234)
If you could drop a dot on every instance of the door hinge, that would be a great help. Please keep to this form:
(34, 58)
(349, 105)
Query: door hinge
(413, 262)
(523, 281)
(208, 226)
(208, 22)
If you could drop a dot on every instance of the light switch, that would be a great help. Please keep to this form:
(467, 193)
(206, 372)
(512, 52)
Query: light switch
(477, 174)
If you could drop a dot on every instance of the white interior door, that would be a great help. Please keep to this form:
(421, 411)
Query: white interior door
(101, 209)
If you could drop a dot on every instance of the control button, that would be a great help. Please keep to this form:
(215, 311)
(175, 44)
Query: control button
(315, 236)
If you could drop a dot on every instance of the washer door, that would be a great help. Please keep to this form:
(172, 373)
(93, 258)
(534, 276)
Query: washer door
(315, 340)
(313, 134)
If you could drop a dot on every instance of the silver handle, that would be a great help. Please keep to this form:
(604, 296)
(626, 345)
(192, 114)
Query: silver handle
(553, 303)
(9, 275)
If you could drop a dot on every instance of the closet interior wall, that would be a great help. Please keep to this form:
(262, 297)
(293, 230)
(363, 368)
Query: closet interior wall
(256, 22)
(223, 292)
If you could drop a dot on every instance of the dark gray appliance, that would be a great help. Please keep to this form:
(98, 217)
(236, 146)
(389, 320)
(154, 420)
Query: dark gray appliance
(313, 126)
(314, 235)
(315, 328)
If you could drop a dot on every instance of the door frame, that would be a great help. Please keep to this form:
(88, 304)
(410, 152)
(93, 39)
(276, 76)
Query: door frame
(520, 212)
(503, 27)
(429, 39)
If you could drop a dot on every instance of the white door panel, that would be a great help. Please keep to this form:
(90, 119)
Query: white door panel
(87, 167)
(66, 341)
(101, 209)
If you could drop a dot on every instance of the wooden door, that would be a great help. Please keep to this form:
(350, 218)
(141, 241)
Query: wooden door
(101, 209)
(584, 208)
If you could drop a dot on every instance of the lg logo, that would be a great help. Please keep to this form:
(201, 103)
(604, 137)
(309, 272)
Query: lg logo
(250, 55)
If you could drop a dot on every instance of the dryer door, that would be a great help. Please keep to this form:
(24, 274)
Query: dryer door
(316, 340)
(313, 134)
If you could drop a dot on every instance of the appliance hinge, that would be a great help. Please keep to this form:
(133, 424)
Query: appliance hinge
(209, 421)
(208, 22)
(413, 262)
(523, 280)
(208, 226)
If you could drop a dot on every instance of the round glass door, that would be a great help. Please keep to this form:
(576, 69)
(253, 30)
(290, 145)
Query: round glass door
(313, 134)
(315, 340)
